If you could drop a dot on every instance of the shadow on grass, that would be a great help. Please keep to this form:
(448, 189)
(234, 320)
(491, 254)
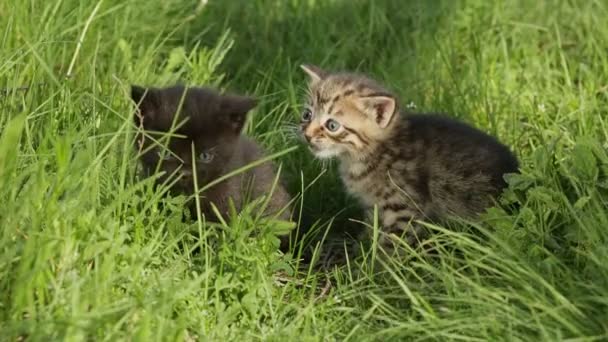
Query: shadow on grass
(387, 39)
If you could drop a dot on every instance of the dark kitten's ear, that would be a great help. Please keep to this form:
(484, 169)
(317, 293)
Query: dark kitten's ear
(145, 99)
(137, 93)
(315, 73)
(234, 108)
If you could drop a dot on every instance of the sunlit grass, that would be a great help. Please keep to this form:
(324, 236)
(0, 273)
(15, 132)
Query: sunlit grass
(90, 251)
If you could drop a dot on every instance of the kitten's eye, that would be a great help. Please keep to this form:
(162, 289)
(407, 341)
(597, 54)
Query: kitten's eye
(332, 125)
(306, 115)
(206, 157)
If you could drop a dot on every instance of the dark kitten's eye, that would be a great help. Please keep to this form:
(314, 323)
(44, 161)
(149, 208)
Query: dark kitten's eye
(206, 157)
(306, 115)
(332, 125)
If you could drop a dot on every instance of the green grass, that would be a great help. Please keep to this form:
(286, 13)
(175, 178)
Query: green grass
(86, 252)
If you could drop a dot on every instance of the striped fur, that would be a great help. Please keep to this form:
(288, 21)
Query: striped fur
(414, 167)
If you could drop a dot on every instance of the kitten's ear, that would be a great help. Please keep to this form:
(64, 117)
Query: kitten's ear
(144, 98)
(137, 93)
(315, 73)
(235, 109)
(380, 107)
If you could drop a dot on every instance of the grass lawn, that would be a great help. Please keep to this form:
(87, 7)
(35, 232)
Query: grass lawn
(86, 252)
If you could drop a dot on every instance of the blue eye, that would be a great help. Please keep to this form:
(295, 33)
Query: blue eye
(332, 125)
(206, 157)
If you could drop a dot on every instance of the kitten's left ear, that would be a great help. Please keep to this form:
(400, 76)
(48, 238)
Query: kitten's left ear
(381, 108)
(235, 109)
(137, 93)
(315, 73)
(146, 101)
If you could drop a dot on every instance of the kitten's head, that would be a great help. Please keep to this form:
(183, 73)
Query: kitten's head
(203, 120)
(346, 115)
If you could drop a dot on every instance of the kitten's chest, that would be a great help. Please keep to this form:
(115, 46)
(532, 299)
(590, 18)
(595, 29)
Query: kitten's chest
(382, 181)
(367, 185)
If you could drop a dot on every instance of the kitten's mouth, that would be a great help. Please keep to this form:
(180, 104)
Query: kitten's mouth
(323, 153)
(318, 151)
(313, 148)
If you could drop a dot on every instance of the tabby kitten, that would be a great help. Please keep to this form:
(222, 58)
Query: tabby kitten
(414, 167)
(211, 124)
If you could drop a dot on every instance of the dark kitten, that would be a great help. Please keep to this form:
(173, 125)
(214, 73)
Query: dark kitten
(211, 124)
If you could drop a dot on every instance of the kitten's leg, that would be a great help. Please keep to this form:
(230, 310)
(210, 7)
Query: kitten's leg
(399, 220)
(368, 215)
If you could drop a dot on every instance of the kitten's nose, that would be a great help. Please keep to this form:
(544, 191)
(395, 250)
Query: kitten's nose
(310, 132)
(186, 178)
